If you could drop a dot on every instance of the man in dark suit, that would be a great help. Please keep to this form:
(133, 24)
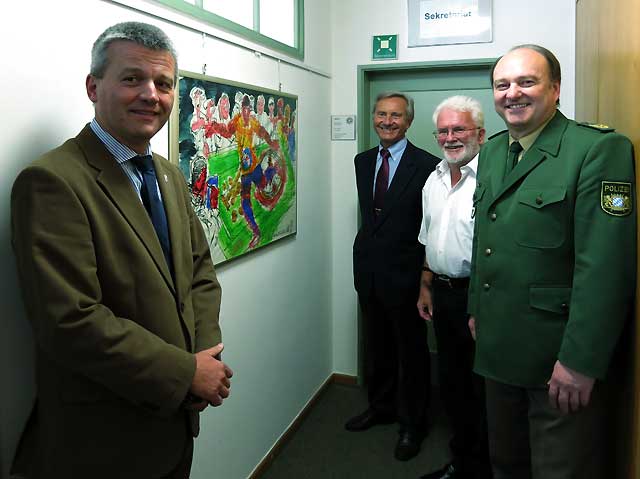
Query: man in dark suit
(118, 283)
(387, 262)
(553, 273)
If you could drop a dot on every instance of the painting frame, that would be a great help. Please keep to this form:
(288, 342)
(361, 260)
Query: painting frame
(236, 145)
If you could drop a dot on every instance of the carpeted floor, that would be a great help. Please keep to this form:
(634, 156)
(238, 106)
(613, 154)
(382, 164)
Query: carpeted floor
(322, 448)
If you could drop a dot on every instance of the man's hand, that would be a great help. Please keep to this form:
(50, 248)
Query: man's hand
(211, 380)
(472, 326)
(425, 303)
(197, 406)
(568, 389)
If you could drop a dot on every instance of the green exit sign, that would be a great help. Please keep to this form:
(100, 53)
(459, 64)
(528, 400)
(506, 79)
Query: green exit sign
(385, 47)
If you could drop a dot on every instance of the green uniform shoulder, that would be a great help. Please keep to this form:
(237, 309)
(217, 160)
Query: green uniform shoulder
(598, 127)
(495, 135)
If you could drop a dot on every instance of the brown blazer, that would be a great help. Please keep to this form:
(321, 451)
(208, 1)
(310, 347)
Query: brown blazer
(114, 331)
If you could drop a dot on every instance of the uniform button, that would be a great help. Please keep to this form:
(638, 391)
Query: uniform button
(182, 307)
(493, 216)
(564, 307)
(539, 200)
(487, 251)
(486, 286)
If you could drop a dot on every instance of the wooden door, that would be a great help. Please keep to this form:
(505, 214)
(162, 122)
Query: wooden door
(608, 92)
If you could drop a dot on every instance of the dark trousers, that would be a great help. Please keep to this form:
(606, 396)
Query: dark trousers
(183, 468)
(531, 440)
(397, 365)
(462, 390)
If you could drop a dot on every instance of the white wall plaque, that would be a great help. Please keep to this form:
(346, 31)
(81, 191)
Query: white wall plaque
(343, 127)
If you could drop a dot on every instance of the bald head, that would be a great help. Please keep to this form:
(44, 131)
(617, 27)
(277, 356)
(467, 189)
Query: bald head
(525, 90)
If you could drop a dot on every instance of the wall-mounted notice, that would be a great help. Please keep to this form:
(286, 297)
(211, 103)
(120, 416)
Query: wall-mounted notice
(343, 127)
(445, 22)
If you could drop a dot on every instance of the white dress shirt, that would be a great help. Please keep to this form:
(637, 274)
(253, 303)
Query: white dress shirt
(447, 220)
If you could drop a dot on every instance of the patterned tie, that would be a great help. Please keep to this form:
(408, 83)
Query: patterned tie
(512, 160)
(382, 182)
(153, 203)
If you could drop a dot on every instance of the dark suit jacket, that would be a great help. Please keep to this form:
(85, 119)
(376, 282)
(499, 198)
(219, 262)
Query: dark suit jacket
(553, 273)
(114, 331)
(386, 251)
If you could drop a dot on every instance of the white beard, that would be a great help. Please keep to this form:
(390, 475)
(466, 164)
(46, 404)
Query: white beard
(469, 150)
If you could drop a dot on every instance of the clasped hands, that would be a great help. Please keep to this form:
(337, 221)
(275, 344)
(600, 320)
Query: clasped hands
(211, 381)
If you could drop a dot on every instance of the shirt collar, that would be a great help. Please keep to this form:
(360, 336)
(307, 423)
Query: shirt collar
(471, 167)
(120, 152)
(527, 141)
(395, 149)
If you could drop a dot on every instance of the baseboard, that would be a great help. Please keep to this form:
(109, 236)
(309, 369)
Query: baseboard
(344, 379)
(334, 378)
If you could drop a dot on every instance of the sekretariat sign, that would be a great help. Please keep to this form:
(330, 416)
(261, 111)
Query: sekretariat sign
(445, 22)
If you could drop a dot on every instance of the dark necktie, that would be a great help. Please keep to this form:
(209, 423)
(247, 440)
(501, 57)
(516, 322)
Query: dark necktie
(153, 203)
(512, 160)
(382, 182)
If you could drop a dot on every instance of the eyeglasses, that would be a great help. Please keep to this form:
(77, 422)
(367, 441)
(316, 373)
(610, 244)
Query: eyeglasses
(457, 132)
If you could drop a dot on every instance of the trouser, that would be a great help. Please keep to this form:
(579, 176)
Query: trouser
(529, 439)
(461, 389)
(183, 468)
(397, 364)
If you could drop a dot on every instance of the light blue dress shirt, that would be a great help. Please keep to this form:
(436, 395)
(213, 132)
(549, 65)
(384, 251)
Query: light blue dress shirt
(123, 155)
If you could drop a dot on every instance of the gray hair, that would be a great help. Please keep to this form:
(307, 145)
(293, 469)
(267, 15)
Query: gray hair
(143, 34)
(396, 94)
(461, 103)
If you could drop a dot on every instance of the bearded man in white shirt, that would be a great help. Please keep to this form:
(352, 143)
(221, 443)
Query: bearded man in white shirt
(447, 233)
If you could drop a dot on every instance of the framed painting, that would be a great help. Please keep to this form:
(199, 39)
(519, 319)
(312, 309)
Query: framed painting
(236, 146)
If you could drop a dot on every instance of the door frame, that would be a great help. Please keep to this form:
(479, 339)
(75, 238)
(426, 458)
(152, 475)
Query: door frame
(365, 73)
(364, 77)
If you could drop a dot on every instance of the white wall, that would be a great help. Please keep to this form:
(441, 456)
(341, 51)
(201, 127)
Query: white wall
(550, 23)
(276, 305)
(300, 321)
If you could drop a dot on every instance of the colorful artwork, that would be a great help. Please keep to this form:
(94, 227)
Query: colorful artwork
(239, 160)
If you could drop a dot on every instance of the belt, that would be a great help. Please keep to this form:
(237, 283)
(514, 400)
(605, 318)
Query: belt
(453, 283)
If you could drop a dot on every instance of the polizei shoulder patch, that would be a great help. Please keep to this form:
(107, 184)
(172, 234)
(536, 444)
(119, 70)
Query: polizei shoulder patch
(616, 198)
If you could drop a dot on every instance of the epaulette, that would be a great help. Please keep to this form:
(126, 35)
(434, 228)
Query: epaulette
(497, 134)
(598, 127)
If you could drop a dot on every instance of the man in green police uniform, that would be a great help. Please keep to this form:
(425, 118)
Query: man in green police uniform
(553, 273)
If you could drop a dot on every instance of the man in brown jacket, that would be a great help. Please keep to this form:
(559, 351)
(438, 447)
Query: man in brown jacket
(118, 283)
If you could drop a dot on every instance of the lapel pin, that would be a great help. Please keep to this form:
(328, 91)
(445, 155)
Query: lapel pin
(166, 180)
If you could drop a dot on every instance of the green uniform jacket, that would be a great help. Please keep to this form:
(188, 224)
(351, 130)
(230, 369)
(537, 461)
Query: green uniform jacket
(114, 331)
(553, 273)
